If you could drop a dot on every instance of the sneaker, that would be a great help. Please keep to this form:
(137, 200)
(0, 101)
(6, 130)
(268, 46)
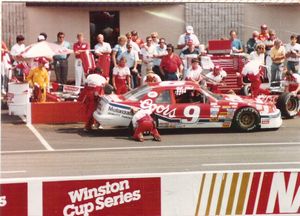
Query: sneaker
(100, 127)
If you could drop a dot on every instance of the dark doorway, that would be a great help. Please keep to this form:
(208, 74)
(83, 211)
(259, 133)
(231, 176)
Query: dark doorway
(106, 23)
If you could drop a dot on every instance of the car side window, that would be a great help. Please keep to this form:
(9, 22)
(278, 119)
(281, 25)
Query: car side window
(164, 98)
(189, 96)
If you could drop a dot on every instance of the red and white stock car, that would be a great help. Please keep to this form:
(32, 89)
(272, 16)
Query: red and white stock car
(184, 104)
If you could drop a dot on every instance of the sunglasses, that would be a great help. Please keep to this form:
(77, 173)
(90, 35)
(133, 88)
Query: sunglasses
(61, 37)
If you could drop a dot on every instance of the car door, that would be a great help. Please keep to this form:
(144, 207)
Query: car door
(192, 108)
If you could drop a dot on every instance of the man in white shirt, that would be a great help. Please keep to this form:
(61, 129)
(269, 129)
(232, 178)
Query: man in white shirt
(103, 51)
(188, 35)
(160, 51)
(132, 59)
(293, 55)
(215, 78)
(147, 54)
(194, 73)
(18, 48)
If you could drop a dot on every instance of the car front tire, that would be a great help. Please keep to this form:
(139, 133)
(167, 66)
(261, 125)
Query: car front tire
(246, 119)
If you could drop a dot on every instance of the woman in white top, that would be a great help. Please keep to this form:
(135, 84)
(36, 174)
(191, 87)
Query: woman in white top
(259, 53)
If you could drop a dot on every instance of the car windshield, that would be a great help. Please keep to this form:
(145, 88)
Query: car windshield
(138, 93)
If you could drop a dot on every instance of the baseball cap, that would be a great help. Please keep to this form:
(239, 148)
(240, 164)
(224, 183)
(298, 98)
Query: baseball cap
(218, 67)
(134, 33)
(190, 41)
(189, 29)
(41, 38)
(42, 60)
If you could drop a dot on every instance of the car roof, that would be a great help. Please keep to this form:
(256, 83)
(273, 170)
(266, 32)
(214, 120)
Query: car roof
(174, 84)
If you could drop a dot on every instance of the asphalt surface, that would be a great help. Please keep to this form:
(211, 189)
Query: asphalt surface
(65, 150)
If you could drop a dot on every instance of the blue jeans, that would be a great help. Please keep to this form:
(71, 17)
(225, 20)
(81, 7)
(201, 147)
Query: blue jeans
(276, 74)
(170, 76)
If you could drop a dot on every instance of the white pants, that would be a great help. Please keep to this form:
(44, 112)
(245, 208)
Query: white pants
(79, 73)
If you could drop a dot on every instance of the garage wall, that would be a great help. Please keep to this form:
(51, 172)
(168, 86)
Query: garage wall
(284, 19)
(167, 20)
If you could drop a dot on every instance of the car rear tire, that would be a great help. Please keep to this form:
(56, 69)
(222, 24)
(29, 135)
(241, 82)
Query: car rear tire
(288, 104)
(246, 119)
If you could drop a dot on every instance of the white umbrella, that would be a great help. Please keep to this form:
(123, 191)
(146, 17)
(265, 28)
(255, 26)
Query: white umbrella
(44, 49)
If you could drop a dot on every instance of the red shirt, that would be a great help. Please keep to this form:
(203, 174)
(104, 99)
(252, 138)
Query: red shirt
(263, 37)
(80, 46)
(170, 63)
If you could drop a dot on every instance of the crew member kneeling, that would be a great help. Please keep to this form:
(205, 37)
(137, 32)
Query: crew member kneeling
(38, 79)
(143, 122)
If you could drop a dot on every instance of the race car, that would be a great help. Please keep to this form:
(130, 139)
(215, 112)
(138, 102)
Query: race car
(184, 104)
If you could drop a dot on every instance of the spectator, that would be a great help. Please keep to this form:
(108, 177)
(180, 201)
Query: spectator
(135, 38)
(293, 55)
(132, 58)
(184, 38)
(121, 77)
(171, 64)
(18, 48)
(61, 61)
(277, 55)
(39, 80)
(264, 35)
(269, 43)
(187, 55)
(134, 45)
(236, 43)
(41, 38)
(79, 47)
(160, 51)
(119, 49)
(103, 51)
(147, 54)
(155, 38)
(258, 54)
(251, 43)
(194, 73)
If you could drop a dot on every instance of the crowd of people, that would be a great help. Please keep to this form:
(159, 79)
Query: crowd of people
(132, 62)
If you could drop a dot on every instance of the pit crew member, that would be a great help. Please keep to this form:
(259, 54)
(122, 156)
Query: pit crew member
(215, 78)
(121, 77)
(292, 82)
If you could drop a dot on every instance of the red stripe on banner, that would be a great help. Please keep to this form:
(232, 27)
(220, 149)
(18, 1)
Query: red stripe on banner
(264, 193)
(297, 187)
(287, 179)
(253, 193)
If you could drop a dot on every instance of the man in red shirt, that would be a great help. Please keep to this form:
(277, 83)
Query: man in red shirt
(78, 47)
(264, 33)
(171, 64)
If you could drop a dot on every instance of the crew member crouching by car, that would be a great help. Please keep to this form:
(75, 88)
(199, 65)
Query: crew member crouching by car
(143, 122)
(252, 70)
(215, 79)
(93, 89)
(292, 82)
(38, 79)
(121, 77)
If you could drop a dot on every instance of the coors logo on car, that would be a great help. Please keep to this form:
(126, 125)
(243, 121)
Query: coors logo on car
(138, 196)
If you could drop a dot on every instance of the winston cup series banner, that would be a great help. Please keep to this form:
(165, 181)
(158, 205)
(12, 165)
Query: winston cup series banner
(176, 194)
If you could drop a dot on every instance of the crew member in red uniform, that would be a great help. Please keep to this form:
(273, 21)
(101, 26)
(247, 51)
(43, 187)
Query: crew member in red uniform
(121, 77)
(89, 96)
(252, 70)
(78, 47)
(143, 122)
(293, 82)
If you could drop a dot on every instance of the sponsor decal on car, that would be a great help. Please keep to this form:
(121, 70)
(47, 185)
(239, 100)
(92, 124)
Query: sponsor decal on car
(159, 109)
(105, 197)
(182, 89)
(249, 193)
(152, 94)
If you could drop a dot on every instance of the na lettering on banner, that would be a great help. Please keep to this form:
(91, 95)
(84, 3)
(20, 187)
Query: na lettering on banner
(138, 196)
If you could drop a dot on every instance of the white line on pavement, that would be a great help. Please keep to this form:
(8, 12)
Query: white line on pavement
(257, 163)
(38, 135)
(12, 171)
(156, 147)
